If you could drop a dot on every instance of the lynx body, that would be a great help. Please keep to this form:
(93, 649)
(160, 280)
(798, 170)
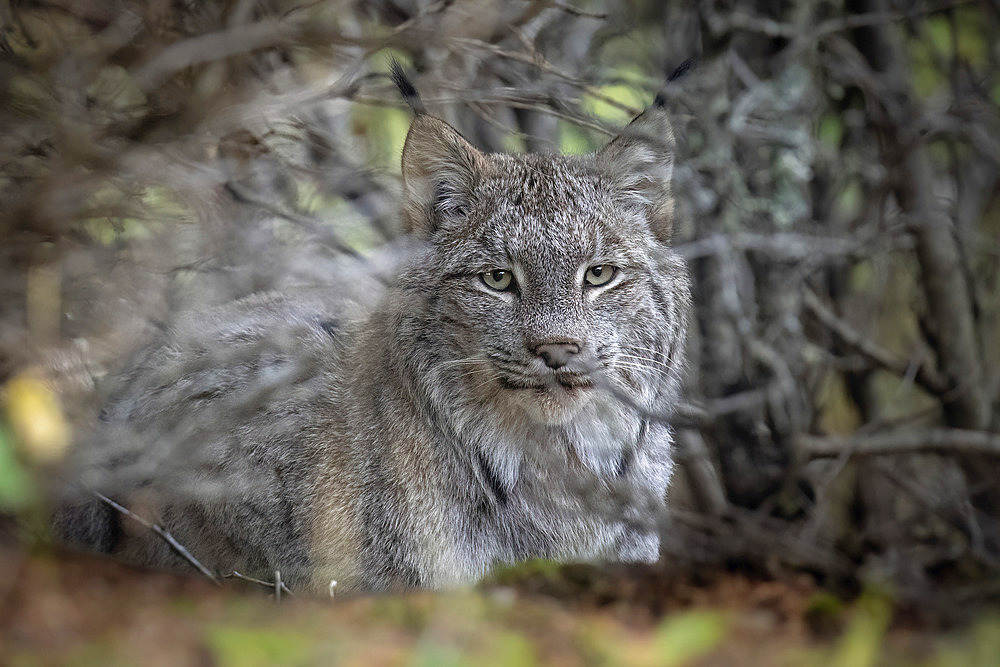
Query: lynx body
(490, 405)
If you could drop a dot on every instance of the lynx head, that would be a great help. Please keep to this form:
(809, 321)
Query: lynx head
(546, 280)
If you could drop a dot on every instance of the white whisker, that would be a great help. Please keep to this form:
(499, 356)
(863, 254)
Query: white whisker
(645, 349)
(466, 360)
(643, 367)
(492, 378)
(633, 357)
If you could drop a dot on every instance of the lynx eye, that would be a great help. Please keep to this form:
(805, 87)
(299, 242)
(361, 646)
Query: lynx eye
(600, 274)
(497, 279)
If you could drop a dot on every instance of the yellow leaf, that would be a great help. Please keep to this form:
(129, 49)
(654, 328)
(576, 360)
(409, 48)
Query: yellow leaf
(40, 430)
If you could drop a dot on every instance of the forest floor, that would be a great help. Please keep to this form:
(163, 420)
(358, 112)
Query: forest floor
(72, 609)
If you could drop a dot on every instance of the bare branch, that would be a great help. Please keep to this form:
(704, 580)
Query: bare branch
(788, 246)
(744, 533)
(213, 46)
(934, 441)
(925, 375)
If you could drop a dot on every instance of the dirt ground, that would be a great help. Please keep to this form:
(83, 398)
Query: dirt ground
(64, 608)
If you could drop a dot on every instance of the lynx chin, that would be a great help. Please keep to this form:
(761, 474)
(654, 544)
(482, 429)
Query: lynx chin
(489, 404)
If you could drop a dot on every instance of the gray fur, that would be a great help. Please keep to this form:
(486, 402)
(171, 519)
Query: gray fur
(416, 440)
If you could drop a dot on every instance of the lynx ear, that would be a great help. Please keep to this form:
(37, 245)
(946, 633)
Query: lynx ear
(641, 161)
(440, 171)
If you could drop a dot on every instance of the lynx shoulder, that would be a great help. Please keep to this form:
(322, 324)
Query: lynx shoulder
(489, 406)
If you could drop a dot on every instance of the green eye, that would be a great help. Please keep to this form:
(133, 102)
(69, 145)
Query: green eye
(497, 279)
(599, 275)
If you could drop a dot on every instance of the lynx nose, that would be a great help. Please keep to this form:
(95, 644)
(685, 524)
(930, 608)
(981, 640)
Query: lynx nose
(557, 355)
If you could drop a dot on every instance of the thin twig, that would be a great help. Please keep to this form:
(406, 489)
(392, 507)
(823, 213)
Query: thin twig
(537, 60)
(327, 235)
(278, 586)
(573, 11)
(163, 533)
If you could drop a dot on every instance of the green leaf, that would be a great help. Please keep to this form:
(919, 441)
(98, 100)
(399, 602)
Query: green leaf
(17, 488)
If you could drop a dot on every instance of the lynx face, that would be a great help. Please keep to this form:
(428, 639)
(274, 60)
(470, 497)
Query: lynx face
(553, 278)
(550, 279)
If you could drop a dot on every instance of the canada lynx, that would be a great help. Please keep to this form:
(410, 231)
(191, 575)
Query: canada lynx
(490, 406)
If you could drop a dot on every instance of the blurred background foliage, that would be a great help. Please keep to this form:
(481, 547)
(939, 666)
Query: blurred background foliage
(837, 178)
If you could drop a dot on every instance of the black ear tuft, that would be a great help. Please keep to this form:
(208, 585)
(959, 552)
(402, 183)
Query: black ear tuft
(679, 72)
(682, 70)
(406, 88)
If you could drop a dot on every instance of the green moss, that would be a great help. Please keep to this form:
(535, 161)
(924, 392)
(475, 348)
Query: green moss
(433, 654)
(512, 648)
(685, 637)
(506, 575)
(253, 647)
(99, 651)
(401, 613)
